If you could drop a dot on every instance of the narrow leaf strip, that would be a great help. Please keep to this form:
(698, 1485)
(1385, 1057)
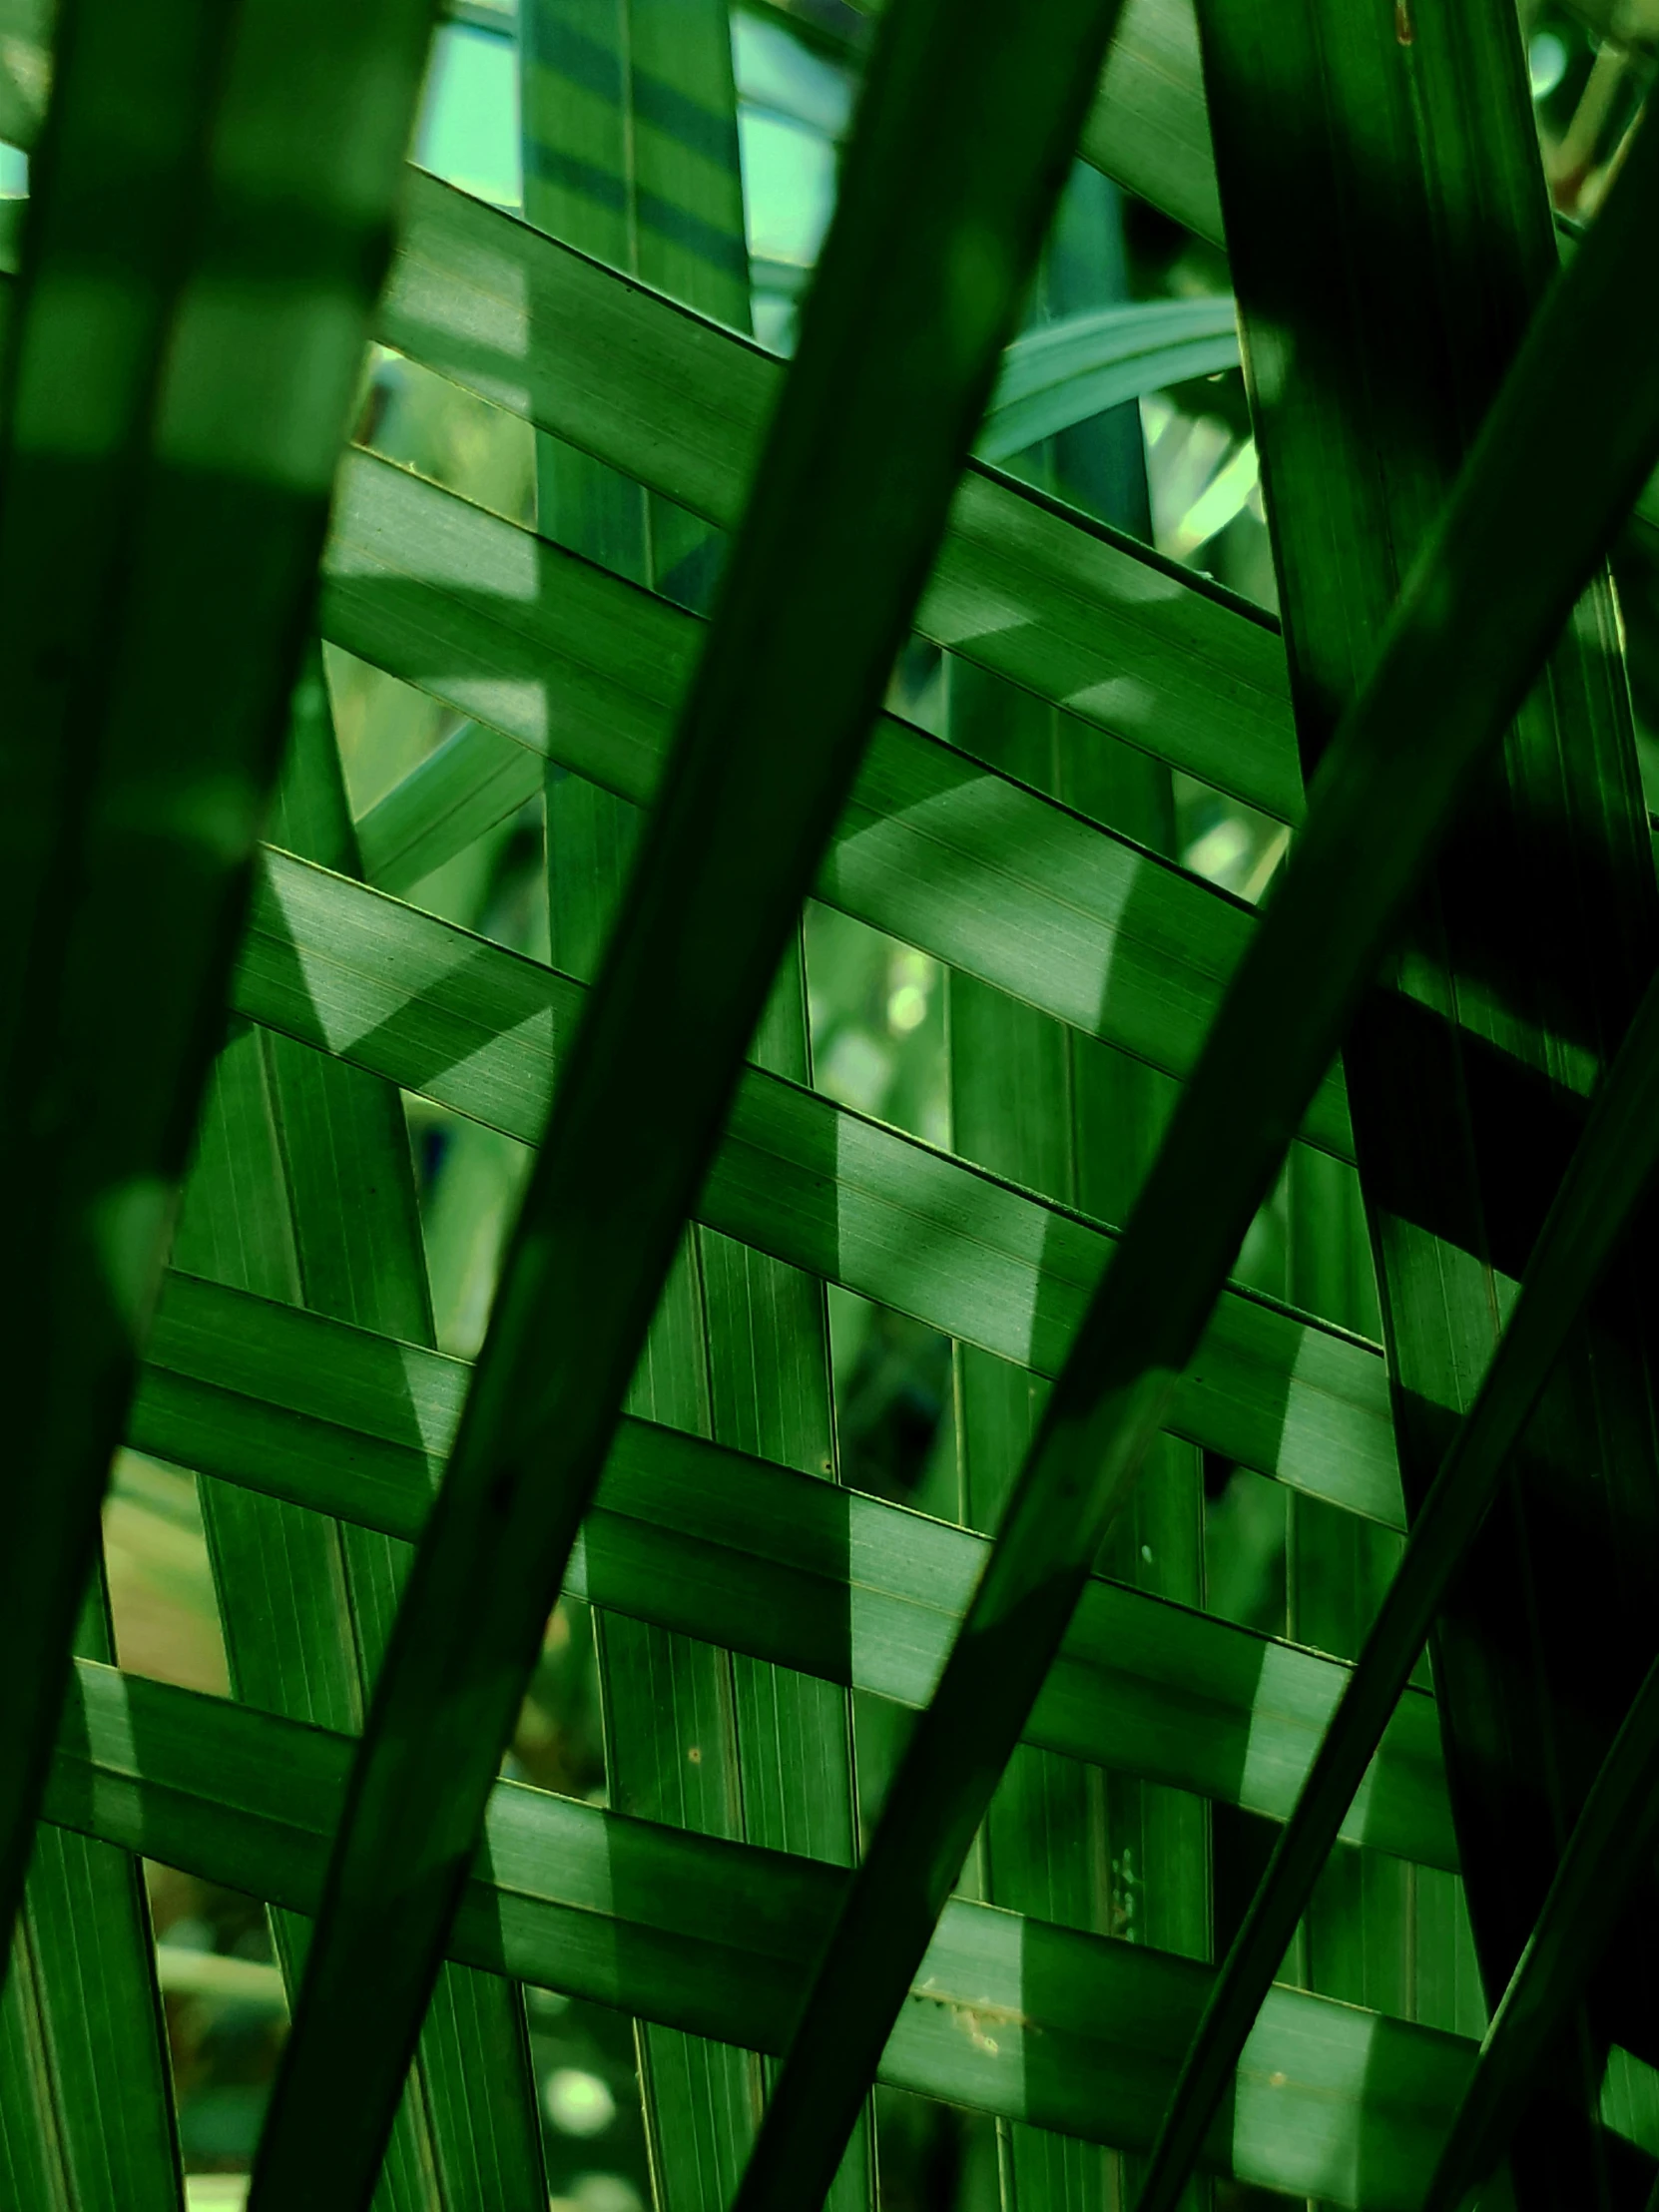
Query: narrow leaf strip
(933, 847)
(1078, 613)
(1149, 127)
(1610, 1847)
(1608, 1175)
(25, 69)
(1047, 2024)
(742, 1552)
(1067, 371)
(1533, 508)
(212, 217)
(488, 1033)
(474, 780)
(932, 243)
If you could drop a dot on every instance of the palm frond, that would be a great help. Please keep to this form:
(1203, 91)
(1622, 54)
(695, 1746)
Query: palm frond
(1432, 704)
(1058, 376)
(845, 1587)
(570, 662)
(918, 1086)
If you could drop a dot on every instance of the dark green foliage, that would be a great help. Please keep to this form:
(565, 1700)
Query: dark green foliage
(211, 221)
(1522, 961)
(1475, 620)
(895, 365)
(1608, 1852)
(1040, 1150)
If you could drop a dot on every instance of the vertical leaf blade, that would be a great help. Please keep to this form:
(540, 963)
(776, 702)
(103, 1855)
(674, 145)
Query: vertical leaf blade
(1416, 153)
(1454, 667)
(632, 111)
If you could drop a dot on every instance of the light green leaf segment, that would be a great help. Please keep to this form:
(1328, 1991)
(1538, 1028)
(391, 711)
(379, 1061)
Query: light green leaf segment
(304, 1191)
(741, 1597)
(774, 1562)
(1132, 643)
(485, 1032)
(630, 153)
(1037, 2023)
(1054, 378)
